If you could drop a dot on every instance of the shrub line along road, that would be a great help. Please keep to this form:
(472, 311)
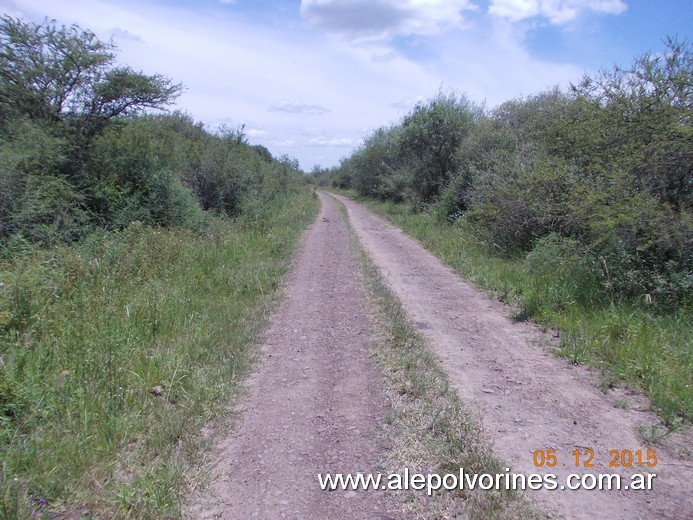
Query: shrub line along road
(314, 402)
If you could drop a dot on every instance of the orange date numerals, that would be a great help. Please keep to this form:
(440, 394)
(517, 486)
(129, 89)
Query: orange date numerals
(545, 458)
(628, 458)
(585, 458)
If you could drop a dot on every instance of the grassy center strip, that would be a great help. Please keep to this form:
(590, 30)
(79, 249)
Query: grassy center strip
(429, 430)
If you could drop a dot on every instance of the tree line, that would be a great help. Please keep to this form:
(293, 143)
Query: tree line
(599, 172)
(85, 144)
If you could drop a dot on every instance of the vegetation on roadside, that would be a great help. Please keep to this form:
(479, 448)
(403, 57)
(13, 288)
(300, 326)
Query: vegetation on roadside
(139, 255)
(116, 352)
(574, 205)
(84, 145)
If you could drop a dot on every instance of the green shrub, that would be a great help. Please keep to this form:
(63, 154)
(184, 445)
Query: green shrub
(26, 149)
(430, 136)
(51, 211)
(561, 275)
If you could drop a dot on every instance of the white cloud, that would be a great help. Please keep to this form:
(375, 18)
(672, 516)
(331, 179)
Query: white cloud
(383, 57)
(407, 104)
(384, 19)
(283, 143)
(10, 8)
(293, 107)
(331, 141)
(557, 11)
(122, 34)
(255, 132)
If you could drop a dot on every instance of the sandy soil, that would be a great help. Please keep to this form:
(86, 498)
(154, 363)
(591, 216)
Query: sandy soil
(526, 398)
(314, 403)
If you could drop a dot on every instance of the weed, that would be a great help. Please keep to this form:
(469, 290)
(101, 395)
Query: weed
(117, 351)
(622, 404)
(652, 433)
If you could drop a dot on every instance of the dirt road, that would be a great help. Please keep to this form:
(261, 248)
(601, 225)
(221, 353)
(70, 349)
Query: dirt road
(314, 404)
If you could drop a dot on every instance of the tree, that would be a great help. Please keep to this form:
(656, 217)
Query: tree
(431, 134)
(47, 71)
(377, 166)
(28, 152)
(646, 120)
(59, 91)
(66, 74)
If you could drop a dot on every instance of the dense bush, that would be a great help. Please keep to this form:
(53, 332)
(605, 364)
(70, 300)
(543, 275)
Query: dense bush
(81, 150)
(415, 160)
(377, 167)
(431, 134)
(605, 165)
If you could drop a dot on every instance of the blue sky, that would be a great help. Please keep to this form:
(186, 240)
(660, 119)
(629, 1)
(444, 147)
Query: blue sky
(311, 78)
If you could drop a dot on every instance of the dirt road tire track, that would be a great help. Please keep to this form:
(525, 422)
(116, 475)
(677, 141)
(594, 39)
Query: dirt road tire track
(314, 403)
(526, 398)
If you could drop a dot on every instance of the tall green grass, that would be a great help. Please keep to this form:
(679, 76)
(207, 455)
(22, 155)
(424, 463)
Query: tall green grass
(629, 342)
(115, 353)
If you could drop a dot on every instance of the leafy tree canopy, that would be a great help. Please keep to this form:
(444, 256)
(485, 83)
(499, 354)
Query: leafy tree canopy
(57, 73)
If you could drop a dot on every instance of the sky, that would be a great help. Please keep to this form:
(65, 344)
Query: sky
(311, 78)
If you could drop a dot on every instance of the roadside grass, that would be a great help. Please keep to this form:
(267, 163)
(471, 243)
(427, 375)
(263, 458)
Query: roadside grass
(114, 354)
(430, 430)
(628, 343)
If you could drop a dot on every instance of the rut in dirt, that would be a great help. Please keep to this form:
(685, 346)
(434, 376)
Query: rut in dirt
(315, 402)
(525, 397)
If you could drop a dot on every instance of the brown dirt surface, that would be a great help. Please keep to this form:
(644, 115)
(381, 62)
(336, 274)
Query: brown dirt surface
(314, 404)
(527, 398)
